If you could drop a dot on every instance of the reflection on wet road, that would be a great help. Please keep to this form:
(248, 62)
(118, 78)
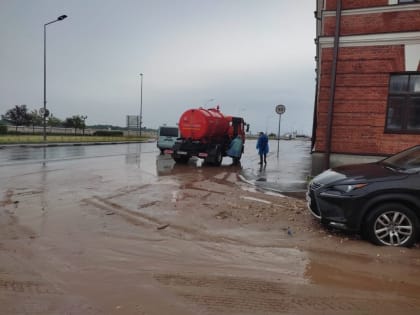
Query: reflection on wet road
(286, 173)
(55, 153)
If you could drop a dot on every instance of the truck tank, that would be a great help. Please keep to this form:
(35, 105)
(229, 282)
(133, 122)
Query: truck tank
(200, 124)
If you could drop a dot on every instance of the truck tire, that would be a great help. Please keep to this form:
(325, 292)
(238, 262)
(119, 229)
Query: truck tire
(236, 160)
(218, 158)
(215, 156)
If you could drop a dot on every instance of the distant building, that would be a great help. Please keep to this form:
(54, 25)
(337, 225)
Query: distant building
(367, 103)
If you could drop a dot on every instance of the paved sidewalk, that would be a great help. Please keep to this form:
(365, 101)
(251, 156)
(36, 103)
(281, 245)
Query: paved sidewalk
(288, 173)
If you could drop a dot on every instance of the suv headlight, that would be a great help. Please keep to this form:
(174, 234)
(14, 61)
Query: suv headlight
(339, 190)
(348, 188)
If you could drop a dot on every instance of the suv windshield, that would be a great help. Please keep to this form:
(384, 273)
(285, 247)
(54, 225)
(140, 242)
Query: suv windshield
(168, 131)
(406, 160)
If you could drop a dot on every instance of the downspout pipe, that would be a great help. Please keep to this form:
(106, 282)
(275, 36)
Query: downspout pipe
(317, 74)
(333, 84)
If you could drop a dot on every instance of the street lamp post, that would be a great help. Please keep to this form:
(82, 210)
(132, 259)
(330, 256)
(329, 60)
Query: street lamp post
(84, 125)
(141, 102)
(45, 112)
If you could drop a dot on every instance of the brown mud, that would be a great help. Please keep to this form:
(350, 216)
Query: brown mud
(90, 239)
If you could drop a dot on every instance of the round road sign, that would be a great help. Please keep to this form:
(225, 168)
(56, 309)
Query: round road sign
(280, 109)
(44, 112)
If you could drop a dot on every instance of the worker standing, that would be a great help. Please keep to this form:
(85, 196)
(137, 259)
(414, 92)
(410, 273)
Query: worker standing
(262, 147)
(235, 149)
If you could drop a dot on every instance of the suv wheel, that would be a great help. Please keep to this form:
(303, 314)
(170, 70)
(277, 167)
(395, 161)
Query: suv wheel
(392, 224)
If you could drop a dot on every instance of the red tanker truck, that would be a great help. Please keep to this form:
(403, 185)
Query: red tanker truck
(206, 133)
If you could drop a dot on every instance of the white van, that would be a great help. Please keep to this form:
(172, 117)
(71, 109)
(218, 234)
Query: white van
(167, 136)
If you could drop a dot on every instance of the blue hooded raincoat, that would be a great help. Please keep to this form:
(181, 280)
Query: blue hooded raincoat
(262, 144)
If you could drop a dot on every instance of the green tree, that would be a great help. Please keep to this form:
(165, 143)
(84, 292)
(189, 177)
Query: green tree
(76, 122)
(69, 122)
(54, 121)
(36, 118)
(18, 115)
(3, 129)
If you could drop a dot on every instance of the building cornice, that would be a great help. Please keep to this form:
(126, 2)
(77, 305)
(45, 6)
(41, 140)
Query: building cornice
(404, 38)
(375, 10)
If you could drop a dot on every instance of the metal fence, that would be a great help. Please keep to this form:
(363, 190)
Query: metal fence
(37, 130)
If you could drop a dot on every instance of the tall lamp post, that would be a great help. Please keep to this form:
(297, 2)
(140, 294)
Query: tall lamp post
(141, 102)
(45, 112)
(84, 124)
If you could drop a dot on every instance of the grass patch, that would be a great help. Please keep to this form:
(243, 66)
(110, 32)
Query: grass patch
(33, 139)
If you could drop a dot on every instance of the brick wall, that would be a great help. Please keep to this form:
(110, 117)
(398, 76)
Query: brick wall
(360, 101)
(355, 4)
(386, 22)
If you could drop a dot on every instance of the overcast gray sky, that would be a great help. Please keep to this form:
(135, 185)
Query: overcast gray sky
(247, 55)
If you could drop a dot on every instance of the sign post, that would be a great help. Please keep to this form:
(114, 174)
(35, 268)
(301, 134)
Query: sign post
(280, 109)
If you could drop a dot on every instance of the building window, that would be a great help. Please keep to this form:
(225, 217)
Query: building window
(407, 1)
(403, 113)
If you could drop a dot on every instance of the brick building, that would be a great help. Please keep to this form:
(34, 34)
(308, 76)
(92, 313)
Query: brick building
(367, 103)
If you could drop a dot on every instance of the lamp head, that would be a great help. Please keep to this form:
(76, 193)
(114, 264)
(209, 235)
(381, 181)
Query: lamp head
(61, 17)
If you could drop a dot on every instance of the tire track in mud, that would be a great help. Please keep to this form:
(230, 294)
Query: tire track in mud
(27, 287)
(126, 191)
(227, 294)
(138, 218)
(10, 229)
(141, 219)
(221, 283)
(7, 198)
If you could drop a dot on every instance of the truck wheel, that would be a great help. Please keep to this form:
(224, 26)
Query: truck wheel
(215, 160)
(236, 160)
(392, 224)
(218, 158)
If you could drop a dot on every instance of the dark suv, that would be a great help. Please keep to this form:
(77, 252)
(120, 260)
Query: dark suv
(380, 200)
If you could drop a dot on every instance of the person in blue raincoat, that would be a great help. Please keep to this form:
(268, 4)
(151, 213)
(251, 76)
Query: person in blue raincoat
(262, 147)
(235, 149)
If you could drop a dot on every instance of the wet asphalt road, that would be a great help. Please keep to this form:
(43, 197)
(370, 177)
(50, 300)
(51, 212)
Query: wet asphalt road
(120, 229)
(285, 173)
